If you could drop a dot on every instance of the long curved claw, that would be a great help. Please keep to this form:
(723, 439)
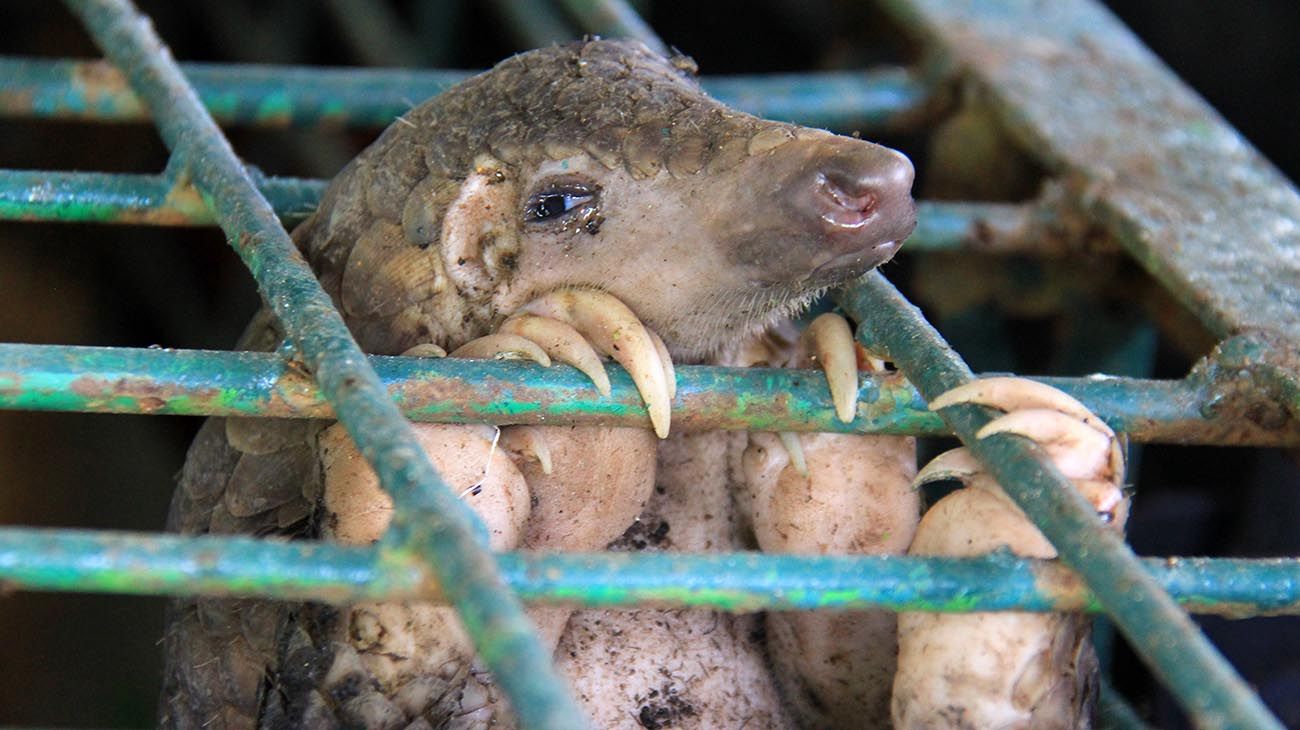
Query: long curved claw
(1107, 498)
(1014, 394)
(794, 448)
(528, 442)
(832, 342)
(1078, 449)
(563, 343)
(959, 464)
(670, 372)
(503, 346)
(1079, 443)
(425, 349)
(615, 330)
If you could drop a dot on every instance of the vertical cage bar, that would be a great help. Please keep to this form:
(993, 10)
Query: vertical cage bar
(1158, 630)
(431, 526)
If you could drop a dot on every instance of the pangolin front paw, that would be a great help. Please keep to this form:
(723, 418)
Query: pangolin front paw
(825, 492)
(1079, 443)
(577, 326)
(828, 344)
(830, 493)
(1006, 669)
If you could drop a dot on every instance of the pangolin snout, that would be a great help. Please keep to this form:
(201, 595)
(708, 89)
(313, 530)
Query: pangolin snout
(860, 196)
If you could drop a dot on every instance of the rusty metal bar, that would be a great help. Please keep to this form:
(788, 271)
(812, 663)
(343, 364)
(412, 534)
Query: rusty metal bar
(281, 96)
(431, 527)
(156, 200)
(146, 564)
(80, 197)
(1194, 410)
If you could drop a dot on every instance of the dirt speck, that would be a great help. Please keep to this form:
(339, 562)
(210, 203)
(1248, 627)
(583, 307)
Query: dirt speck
(663, 708)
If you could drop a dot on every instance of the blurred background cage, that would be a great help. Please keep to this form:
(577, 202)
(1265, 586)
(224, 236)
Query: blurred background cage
(1178, 275)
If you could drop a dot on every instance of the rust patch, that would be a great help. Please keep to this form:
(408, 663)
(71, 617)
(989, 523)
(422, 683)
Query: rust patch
(1060, 585)
(147, 394)
(16, 102)
(11, 383)
(102, 84)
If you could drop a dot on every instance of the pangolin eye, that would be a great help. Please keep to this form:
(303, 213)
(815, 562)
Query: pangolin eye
(555, 202)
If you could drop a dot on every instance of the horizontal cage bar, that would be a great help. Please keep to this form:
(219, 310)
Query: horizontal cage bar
(280, 96)
(451, 390)
(139, 564)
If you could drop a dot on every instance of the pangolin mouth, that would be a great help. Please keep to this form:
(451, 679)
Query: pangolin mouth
(853, 264)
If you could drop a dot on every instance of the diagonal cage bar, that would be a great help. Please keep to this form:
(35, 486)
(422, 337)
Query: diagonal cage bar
(126, 563)
(189, 382)
(616, 19)
(431, 526)
(1156, 628)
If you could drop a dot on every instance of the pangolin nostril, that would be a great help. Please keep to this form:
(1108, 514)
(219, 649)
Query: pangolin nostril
(853, 198)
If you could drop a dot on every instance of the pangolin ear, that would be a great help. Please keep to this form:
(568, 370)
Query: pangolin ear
(481, 229)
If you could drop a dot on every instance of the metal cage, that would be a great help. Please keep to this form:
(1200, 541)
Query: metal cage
(1131, 153)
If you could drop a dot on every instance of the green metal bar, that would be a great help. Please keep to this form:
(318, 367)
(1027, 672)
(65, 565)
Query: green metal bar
(374, 32)
(614, 19)
(431, 526)
(533, 23)
(1156, 628)
(145, 564)
(96, 197)
(1115, 713)
(269, 96)
(279, 96)
(79, 197)
(193, 382)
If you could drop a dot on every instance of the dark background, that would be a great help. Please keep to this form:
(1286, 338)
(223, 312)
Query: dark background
(82, 661)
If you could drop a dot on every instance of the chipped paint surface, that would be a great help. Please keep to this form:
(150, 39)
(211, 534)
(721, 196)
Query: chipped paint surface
(1215, 405)
(140, 564)
(276, 96)
(133, 199)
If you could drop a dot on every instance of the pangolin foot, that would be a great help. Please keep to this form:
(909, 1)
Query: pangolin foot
(1079, 443)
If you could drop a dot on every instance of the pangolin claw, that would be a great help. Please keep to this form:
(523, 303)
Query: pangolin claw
(832, 344)
(615, 330)
(1078, 450)
(1079, 443)
(563, 343)
(503, 346)
(425, 349)
(794, 448)
(1014, 394)
(959, 464)
(670, 372)
(528, 442)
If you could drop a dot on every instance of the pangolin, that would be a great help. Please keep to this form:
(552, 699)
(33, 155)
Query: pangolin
(580, 198)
